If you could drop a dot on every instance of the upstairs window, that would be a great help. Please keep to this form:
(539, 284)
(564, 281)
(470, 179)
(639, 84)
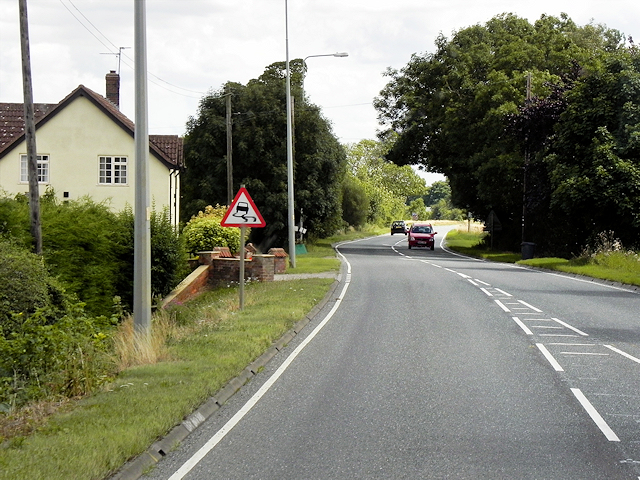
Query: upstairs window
(113, 170)
(43, 169)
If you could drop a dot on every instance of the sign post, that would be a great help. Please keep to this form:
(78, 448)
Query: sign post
(242, 213)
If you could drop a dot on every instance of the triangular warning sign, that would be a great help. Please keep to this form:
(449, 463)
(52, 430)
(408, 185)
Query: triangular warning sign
(242, 212)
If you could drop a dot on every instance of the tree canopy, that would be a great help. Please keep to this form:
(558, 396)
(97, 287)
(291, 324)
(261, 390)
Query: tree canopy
(260, 156)
(462, 111)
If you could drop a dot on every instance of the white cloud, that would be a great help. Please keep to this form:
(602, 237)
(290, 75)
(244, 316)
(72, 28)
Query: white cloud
(198, 45)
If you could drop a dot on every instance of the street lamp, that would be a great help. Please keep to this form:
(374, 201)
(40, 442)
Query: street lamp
(304, 62)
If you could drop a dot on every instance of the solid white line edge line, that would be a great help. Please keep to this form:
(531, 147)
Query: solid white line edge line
(220, 434)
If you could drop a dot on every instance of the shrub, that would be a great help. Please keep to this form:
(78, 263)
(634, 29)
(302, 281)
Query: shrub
(23, 277)
(48, 355)
(82, 246)
(204, 232)
(168, 255)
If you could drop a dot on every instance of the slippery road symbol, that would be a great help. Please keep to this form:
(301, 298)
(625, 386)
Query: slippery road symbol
(243, 212)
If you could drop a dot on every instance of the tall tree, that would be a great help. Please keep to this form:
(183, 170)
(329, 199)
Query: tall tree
(450, 107)
(259, 155)
(594, 161)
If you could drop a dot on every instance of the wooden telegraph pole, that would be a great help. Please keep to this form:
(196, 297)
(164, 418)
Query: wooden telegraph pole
(30, 130)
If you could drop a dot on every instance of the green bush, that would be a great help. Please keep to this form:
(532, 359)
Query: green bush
(47, 355)
(355, 203)
(203, 232)
(168, 255)
(83, 243)
(23, 277)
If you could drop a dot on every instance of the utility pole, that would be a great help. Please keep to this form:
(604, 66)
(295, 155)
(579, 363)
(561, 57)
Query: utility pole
(30, 130)
(526, 164)
(142, 213)
(230, 194)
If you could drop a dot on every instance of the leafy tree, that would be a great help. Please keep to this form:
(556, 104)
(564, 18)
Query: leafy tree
(386, 185)
(594, 161)
(450, 108)
(355, 203)
(417, 207)
(260, 155)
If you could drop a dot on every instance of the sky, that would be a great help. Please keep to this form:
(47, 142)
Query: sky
(195, 46)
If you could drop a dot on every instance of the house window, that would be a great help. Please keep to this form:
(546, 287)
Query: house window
(113, 170)
(43, 169)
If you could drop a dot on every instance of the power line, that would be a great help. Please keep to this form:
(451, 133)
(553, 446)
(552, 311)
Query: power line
(120, 54)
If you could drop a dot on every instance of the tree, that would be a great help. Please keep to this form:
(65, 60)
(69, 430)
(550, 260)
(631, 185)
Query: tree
(385, 184)
(260, 156)
(355, 203)
(450, 108)
(594, 161)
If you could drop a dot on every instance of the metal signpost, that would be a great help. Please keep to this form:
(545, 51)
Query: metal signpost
(242, 213)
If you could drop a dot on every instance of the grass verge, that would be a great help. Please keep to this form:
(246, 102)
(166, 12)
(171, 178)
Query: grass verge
(615, 266)
(211, 342)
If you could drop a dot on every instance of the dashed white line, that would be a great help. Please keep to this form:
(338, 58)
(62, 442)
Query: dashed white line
(624, 354)
(522, 326)
(556, 366)
(570, 327)
(489, 294)
(530, 306)
(586, 353)
(502, 306)
(595, 416)
(503, 292)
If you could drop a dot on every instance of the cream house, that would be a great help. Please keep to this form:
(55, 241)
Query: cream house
(86, 147)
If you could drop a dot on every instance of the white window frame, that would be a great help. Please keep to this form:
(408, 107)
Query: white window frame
(113, 170)
(43, 169)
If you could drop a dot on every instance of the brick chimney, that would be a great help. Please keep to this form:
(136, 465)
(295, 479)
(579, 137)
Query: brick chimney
(113, 88)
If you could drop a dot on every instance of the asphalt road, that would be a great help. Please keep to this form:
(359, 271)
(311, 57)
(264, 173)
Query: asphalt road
(429, 365)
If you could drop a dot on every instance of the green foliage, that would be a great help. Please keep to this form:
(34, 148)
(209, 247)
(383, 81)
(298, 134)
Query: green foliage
(355, 203)
(594, 162)
(46, 355)
(204, 232)
(385, 185)
(444, 210)
(417, 207)
(260, 156)
(168, 255)
(83, 245)
(25, 283)
(450, 110)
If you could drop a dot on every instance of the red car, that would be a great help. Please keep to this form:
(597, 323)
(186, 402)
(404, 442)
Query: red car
(422, 235)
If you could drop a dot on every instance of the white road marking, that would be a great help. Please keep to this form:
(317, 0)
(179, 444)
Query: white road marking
(522, 326)
(220, 434)
(556, 366)
(502, 306)
(570, 327)
(595, 416)
(530, 306)
(489, 294)
(585, 353)
(624, 354)
(503, 292)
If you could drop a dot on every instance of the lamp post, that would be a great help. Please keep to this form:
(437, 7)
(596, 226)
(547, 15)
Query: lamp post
(290, 210)
(304, 62)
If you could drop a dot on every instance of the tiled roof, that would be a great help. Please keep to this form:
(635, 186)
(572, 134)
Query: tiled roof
(171, 145)
(12, 120)
(166, 147)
